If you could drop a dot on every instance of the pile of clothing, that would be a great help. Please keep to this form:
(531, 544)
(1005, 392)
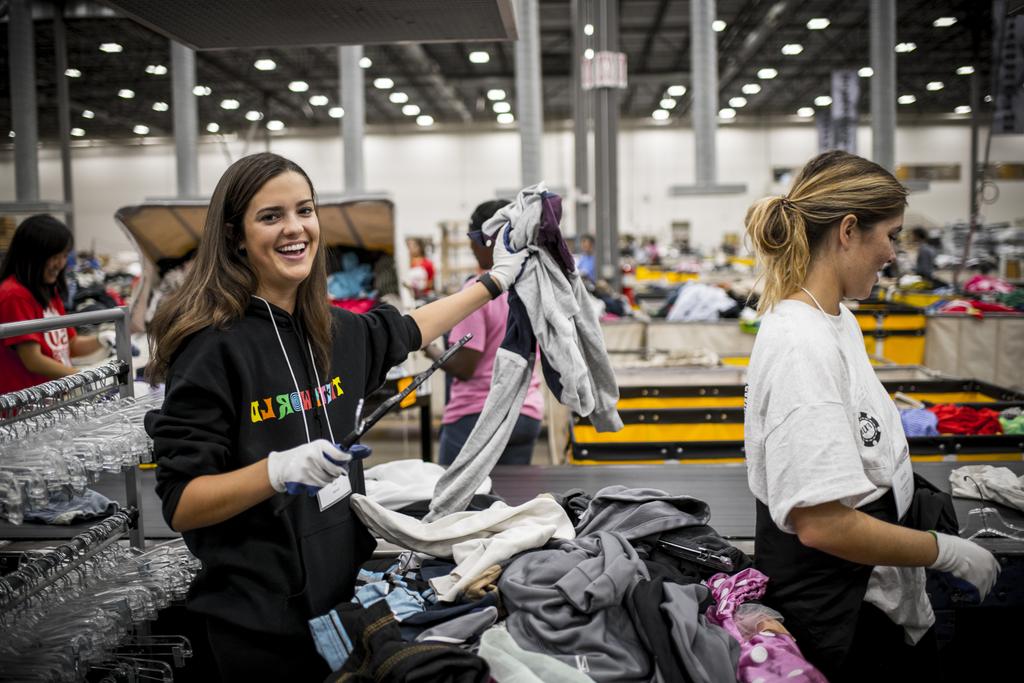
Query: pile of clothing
(567, 587)
(948, 418)
(699, 302)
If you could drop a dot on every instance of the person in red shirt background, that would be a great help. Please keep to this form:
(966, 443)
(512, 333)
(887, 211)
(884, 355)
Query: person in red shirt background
(32, 286)
(421, 269)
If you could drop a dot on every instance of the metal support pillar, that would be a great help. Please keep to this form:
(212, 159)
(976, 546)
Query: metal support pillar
(606, 157)
(186, 119)
(353, 123)
(21, 46)
(883, 83)
(528, 92)
(582, 105)
(60, 59)
(704, 104)
(704, 89)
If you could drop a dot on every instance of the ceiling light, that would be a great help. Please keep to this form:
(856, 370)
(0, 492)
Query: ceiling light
(111, 48)
(398, 97)
(944, 22)
(817, 23)
(126, 93)
(229, 104)
(411, 109)
(737, 102)
(156, 69)
(905, 47)
(865, 72)
(265, 64)
(822, 101)
(935, 85)
(727, 113)
(667, 103)
(213, 128)
(588, 29)
(319, 100)
(383, 83)
(275, 125)
(424, 120)
(659, 115)
(77, 132)
(988, 98)
(588, 53)
(479, 57)
(906, 99)
(501, 107)
(88, 114)
(298, 86)
(253, 115)
(160, 106)
(718, 25)
(767, 74)
(141, 130)
(805, 112)
(336, 112)
(72, 73)
(962, 109)
(964, 70)
(365, 62)
(496, 94)
(751, 88)
(10, 134)
(792, 49)
(202, 90)
(676, 90)
(506, 118)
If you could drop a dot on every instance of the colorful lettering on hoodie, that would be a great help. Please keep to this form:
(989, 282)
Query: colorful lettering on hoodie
(280, 406)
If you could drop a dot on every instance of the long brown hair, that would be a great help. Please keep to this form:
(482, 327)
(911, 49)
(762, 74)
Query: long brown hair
(786, 231)
(221, 280)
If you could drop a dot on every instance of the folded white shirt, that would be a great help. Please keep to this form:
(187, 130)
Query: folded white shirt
(985, 482)
(403, 482)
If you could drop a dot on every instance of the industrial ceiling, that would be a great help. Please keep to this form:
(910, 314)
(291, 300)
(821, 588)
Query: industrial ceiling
(454, 82)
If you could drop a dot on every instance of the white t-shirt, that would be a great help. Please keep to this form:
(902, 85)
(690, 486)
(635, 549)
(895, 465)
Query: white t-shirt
(820, 427)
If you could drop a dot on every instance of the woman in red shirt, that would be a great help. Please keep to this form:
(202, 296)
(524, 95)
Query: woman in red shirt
(32, 286)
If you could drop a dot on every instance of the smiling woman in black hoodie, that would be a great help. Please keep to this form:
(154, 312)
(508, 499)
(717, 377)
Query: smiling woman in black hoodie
(263, 377)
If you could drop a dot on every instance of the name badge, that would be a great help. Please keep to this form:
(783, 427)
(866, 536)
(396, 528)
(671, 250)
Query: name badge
(903, 482)
(333, 492)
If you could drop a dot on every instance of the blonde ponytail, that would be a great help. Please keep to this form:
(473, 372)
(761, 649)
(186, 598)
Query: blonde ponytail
(785, 232)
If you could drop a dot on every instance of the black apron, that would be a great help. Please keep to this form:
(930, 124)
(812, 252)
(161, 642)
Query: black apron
(820, 595)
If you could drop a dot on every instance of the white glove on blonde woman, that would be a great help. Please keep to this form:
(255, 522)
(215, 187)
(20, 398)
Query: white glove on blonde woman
(966, 560)
(306, 468)
(508, 265)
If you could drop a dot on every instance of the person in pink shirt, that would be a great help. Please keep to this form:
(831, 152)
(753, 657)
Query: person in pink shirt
(470, 369)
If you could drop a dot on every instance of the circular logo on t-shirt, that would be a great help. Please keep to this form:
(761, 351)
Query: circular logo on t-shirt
(870, 432)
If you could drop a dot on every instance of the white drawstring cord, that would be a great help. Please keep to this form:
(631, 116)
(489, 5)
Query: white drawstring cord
(298, 393)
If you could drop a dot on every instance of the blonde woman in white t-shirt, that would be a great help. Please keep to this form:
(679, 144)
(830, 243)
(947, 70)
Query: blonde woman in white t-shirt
(843, 528)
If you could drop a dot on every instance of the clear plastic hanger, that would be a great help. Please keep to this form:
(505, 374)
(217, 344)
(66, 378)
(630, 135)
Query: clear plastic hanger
(988, 522)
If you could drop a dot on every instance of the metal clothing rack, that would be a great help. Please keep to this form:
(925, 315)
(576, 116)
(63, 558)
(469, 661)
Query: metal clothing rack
(59, 393)
(34, 576)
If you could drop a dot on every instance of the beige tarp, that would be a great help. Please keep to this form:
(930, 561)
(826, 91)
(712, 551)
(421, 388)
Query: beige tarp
(170, 229)
(990, 349)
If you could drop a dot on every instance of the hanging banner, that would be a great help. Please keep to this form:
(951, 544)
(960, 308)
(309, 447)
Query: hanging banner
(1008, 118)
(605, 70)
(845, 97)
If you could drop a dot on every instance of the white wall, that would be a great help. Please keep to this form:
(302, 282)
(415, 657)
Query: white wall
(437, 175)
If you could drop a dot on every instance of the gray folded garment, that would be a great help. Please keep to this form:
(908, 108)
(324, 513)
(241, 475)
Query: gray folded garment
(709, 653)
(640, 512)
(461, 629)
(566, 601)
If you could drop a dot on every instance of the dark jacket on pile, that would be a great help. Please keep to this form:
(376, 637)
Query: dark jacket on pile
(230, 400)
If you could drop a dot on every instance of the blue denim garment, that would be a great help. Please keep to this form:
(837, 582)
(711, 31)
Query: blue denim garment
(331, 640)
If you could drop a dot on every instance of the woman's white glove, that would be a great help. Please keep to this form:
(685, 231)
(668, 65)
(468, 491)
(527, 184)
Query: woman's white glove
(508, 264)
(966, 560)
(306, 468)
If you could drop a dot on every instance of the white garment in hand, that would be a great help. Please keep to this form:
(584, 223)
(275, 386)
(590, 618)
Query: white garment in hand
(475, 556)
(968, 561)
(438, 537)
(508, 265)
(998, 484)
(305, 464)
(403, 482)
